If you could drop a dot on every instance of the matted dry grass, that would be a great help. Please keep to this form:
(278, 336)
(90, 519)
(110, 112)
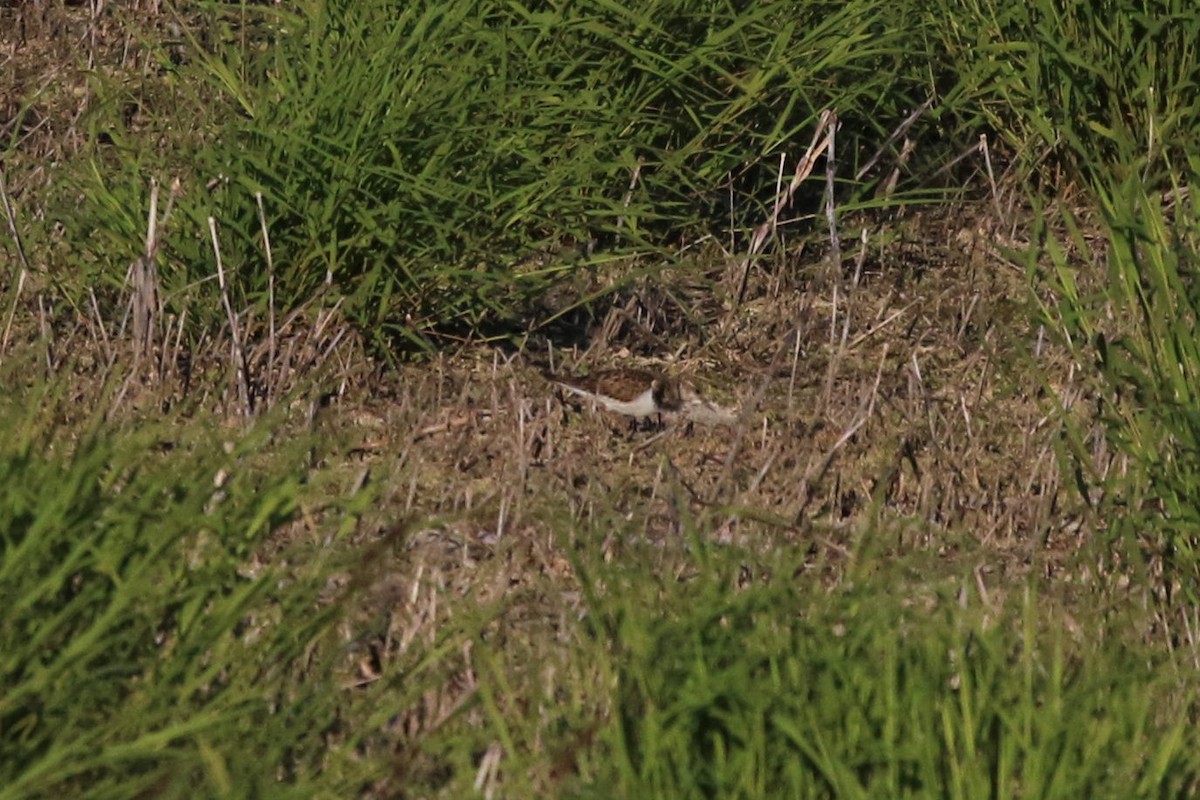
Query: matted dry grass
(924, 430)
(924, 424)
(926, 407)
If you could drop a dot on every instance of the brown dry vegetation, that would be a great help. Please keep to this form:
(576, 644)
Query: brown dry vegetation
(923, 428)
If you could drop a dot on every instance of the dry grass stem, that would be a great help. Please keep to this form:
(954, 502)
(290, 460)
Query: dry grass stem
(899, 131)
(835, 243)
(987, 160)
(271, 347)
(806, 495)
(10, 217)
(767, 230)
(234, 333)
(145, 300)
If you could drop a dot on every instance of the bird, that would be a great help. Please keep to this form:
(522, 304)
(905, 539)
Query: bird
(632, 392)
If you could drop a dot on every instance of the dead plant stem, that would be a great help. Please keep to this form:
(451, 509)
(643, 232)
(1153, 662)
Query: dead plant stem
(238, 357)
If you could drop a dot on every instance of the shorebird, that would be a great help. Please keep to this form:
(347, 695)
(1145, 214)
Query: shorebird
(632, 392)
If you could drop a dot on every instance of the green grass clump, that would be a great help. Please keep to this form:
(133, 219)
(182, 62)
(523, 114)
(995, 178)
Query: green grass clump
(1087, 86)
(779, 690)
(1102, 95)
(136, 654)
(421, 158)
(1140, 332)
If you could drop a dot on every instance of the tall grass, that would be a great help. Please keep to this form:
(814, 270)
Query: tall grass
(1104, 94)
(137, 656)
(1089, 87)
(889, 689)
(421, 157)
(140, 659)
(1142, 334)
